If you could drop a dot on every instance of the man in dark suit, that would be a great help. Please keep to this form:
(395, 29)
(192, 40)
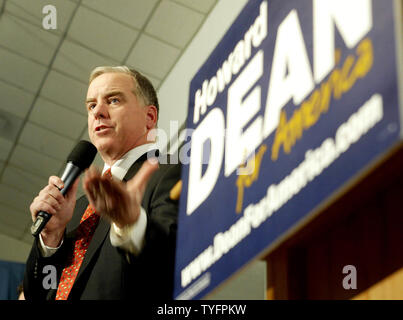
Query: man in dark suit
(118, 242)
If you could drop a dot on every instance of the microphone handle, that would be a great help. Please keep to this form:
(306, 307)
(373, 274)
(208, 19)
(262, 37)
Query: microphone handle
(69, 176)
(41, 220)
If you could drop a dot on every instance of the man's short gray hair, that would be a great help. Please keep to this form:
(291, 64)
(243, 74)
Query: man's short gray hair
(143, 88)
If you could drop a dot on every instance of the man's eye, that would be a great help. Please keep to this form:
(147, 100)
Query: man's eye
(114, 100)
(91, 106)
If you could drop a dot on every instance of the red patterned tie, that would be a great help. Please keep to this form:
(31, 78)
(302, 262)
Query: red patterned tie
(84, 234)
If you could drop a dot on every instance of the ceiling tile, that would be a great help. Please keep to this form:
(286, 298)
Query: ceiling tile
(135, 12)
(85, 135)
(79, 61)
(9, 230)
(64, 121)
(15, 199)
(29, 41)
(174, 23)
(24, 181)
(65, 91)
(15, 100)
(10, 125)
(5, 148)
(27, 236)
(153, 56)
(13, 217)
(20, 71)
(203, 6)
(35, 162)
(102, 34)
(45, 142)
(32, 11)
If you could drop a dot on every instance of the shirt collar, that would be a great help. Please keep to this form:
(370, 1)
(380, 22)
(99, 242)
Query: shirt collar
(121, 166)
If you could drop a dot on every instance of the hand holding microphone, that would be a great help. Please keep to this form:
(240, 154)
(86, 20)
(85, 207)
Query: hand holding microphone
(55, 203)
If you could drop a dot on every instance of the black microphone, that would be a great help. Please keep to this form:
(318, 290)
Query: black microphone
(78, 160)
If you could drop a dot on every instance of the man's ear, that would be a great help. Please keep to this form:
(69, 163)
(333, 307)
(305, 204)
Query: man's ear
(152, 116)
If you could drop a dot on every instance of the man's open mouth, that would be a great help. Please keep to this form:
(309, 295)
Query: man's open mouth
(100, 128)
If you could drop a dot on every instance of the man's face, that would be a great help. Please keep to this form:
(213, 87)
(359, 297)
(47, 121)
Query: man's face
(117, 120)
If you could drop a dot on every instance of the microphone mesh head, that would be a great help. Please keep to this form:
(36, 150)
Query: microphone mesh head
(83, 154)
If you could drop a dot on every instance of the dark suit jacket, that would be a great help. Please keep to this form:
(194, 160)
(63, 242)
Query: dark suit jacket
(108, 272)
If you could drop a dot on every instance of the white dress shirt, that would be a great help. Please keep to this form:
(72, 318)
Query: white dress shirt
(130, 238)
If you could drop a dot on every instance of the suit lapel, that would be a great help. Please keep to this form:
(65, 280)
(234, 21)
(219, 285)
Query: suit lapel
(137, 165)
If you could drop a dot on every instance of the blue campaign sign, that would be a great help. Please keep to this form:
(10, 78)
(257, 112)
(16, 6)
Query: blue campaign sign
(296, 100)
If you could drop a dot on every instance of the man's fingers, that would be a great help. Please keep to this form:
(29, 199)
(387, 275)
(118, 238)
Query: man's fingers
(51, 191)
(142, 177)
(56, 181)
(40, 205)
(145, 172)
(92, 172)
(103, 193)
(112, 197)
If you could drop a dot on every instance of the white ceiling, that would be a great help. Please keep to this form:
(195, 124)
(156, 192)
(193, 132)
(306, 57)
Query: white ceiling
(44, 73)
